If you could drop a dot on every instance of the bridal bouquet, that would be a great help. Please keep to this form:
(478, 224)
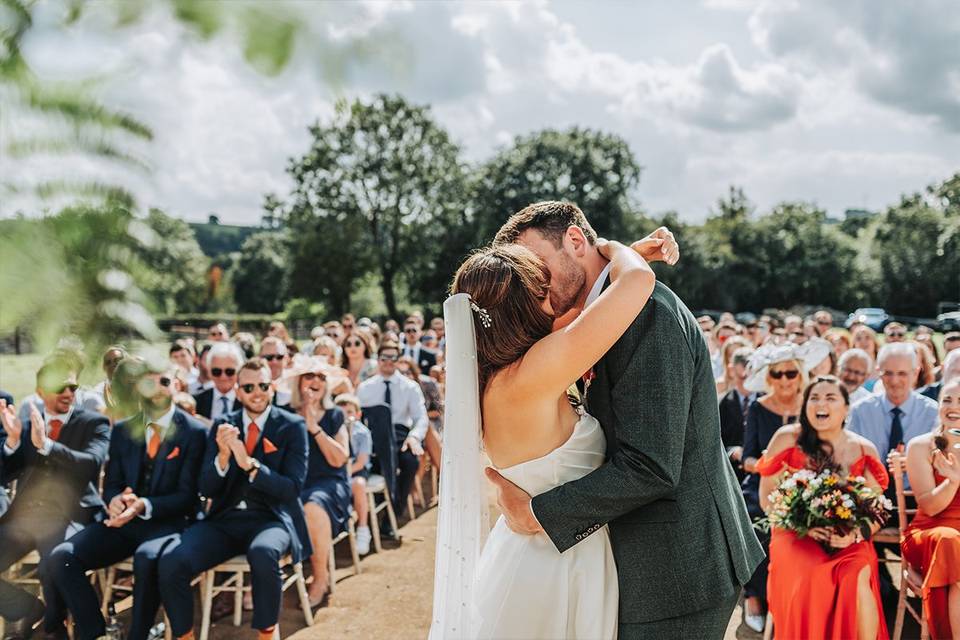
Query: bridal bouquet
(808, 499)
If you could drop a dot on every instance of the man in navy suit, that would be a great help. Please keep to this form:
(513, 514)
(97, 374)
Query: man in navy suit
(253, 470)
(223, 360)
(56, 460)
(151, 492)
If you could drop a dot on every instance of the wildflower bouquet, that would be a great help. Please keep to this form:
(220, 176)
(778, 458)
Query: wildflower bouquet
(808, 499)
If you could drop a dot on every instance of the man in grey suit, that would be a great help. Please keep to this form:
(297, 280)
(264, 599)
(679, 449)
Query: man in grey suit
(681, 536)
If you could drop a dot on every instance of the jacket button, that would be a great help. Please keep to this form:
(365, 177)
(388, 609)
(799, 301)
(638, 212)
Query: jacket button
(579, 537)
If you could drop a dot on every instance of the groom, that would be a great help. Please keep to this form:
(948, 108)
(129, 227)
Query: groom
(682, 540)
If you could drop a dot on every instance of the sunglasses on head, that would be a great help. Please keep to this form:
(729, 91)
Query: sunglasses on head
(248, 388)
(313, 376)
(791, 374)
(216, 372)
(270, 357)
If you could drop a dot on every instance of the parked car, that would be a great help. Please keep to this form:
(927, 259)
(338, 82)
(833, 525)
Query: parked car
(874, 318)
(949, 321)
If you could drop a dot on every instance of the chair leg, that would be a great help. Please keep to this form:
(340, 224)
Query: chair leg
(434, 485)
(374, 518)
(107, 591)
(238, 599)
(352, 539)
(332, 569)
(207, 589)
(302, 593)
(410, 510)
(167, 631)
(391, 516)
(901, 605)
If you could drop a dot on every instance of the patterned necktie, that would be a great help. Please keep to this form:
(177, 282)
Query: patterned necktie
(896, 428)
(253, 434)
(154, 445)
(55, 426)
(224, 405)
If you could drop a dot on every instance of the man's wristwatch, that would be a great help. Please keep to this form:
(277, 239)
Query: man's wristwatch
(254, 466)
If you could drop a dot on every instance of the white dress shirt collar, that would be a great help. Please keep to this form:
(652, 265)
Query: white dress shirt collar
(597, 288)
(164, 420)
(260, 421)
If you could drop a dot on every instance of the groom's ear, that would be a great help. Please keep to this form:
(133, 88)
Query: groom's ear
(575, 241)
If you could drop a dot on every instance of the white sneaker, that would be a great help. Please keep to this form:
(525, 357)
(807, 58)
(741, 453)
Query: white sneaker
(363, 540)
(755, 622)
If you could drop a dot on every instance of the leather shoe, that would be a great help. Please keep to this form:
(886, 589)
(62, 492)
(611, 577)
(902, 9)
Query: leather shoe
(22, 629)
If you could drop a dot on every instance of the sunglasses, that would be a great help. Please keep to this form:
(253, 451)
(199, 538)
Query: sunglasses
(353, 343)
(385, 358)
(791, 374)
(71, 387)
(248, 388)
(270, 357)
(217, 372)
(216, 333)
(313, 376)
(165, 382)
(896, 334)
(410, 331)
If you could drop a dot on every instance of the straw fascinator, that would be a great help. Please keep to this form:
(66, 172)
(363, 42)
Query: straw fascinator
(809, 354)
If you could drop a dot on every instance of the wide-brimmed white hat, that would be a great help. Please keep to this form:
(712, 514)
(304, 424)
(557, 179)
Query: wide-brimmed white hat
(303, 363)
(809, 354)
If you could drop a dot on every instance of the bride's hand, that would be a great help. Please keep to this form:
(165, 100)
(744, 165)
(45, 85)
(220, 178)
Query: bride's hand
(659, 245)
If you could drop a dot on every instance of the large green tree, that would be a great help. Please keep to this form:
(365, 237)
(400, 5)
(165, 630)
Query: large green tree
(176, 268)
(371, 192)
(259, 277)
(593, 169)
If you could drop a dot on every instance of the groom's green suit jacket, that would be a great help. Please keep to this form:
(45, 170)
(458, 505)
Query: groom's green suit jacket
(681, 535)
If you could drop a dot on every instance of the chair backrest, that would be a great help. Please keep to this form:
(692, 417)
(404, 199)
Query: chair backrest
(898, 469)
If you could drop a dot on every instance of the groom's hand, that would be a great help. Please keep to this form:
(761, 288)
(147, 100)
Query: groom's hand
(514, 502)
(659, 245)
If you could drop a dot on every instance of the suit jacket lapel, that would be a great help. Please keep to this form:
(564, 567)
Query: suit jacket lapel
(269, 430)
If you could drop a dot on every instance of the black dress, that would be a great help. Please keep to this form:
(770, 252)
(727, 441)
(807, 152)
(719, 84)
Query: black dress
(762, 423)
(326, 485)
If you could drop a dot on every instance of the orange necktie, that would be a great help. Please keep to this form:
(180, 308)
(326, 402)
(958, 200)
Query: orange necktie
(253, 433)
(154, 445)
(55, 426)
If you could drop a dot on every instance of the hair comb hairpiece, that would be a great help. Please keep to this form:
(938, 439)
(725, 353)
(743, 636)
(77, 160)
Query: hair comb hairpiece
(483, 313)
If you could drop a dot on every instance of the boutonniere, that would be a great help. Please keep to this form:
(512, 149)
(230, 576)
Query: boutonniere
(587, 378)
(173, 454)
(269, 447)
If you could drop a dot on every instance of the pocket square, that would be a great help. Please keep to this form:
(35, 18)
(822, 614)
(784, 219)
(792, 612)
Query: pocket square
(173, 454)
(269, 447)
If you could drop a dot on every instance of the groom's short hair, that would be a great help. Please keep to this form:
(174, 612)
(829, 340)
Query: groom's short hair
(551, 218)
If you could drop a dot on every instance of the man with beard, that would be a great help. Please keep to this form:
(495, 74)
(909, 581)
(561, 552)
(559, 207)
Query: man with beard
(151, 492)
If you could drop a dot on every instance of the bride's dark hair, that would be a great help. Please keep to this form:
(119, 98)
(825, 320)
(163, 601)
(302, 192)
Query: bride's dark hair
(510, 282)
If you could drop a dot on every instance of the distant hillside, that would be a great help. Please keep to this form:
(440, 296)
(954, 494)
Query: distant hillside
(216, 239)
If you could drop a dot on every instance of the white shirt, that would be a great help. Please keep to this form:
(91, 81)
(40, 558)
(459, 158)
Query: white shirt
(858, 394)
(216, 409)
(247, 420)
(163, 422)
(48, 443)
(407, 406)
(597, 288)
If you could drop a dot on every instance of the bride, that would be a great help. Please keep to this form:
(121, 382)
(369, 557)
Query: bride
(507, 382)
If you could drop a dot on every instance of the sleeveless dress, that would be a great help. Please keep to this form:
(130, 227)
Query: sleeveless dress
(527, 588)
(325, 485)
(813, 594)
(932, 545)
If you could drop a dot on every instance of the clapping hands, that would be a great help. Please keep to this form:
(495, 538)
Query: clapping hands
(229, 444)
(123, 508)
(11, 424)
(947, 465)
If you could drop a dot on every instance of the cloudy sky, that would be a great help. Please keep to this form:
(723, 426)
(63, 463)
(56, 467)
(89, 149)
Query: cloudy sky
(847, 104)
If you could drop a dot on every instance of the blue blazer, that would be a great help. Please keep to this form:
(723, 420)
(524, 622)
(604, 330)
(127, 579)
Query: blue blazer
(74, 462)
(279, 481)
(173, 486)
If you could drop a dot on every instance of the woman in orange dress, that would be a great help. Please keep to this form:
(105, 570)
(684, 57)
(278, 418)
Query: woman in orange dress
(812, 593)
(931, 544)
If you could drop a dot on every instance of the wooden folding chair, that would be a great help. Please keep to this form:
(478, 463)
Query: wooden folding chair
(894, 535)
(349, 534)
(376, 484)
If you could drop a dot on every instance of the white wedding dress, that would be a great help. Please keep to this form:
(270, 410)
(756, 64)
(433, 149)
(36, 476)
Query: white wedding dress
(528, 589)
(496, 584)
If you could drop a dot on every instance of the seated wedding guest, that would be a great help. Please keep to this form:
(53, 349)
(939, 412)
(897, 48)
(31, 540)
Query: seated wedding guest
(931, 544)
(218, 333)
(348, 322)
(273, 350)
(361, 448)
(733, 408)
(781, 372)
(839, 340)
(721, 333)
(55, 457)
(253, 470)
(150, 489)
(854, 367)
(866, 338)
(409, 413)
(810, 329)
(391, 326)
(824, 321)
(951, 341)
(358, 357)
(792, 324)
(413, 348)
(756, 333)
(724, 382)
(223, 361)
(439, 329)
(111, 358)
(328, 349)
(924, 335)
(827, 366)
(326, 493)
(949, 371)
(203, 381)
(334, 330)
(813, 593)
(181, 354)
(900, 414)
(894, 332)
(927, 366)
(83, 397)
(434, 404)
(247, 343)
(277, 329)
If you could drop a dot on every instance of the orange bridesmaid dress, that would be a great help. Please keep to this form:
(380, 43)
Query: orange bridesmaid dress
(813, 594)
(932, 545)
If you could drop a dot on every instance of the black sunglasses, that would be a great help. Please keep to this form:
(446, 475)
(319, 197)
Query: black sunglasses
(216, 372)
(248, 388)
(165, 382)
(776, 375)
(410, 330)
(896, 334)
(72, 387)
(311, 376)
(270, 357)
(386, 358)
(353, 343)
